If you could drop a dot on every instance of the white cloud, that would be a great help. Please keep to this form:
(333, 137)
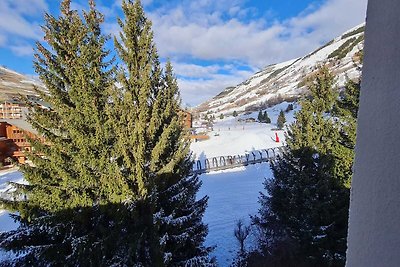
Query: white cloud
(207, 36)
(197, 91)
(13, 21)
(201, 30)
(198, 83)
(225, 31)
(3, 40)
(195, 71)
(22, 50)
(31, 8)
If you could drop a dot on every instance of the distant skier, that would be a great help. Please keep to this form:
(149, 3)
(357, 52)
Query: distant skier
(276, 138)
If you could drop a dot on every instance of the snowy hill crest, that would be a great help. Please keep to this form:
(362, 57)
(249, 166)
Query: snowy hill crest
(13, 84)
(285, 81)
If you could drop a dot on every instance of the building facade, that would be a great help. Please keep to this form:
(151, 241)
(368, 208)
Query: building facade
(11, 109)
(14, 143)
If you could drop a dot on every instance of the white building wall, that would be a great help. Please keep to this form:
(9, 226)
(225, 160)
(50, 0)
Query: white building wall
(374, 224)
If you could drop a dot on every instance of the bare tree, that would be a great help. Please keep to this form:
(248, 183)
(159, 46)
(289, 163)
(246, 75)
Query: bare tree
(241, 232)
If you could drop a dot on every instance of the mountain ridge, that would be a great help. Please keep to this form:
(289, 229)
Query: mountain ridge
(285, 81)
(13, 84)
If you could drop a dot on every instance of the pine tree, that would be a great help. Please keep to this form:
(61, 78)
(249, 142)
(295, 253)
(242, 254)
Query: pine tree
(72, 193)
(154, 150)
(305, 211)
(260, 116)
(111, 186)
(266, 118)
(281, 120)
(289, 108)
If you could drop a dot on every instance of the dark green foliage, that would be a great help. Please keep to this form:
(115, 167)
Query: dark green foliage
(304, 213)
(289, 108)
(266, 118)
(281, 120)
(221, 116)
(234, 114)
(349, 100)
(153, 153)
(72, 177)
(341, 48)
(356, 31)
(75, 168)
(277, 72)
(260, 116)
(111, 186)
(225, 92)
(89, 236)
(346, 109)
(263, 117)
(346, 47)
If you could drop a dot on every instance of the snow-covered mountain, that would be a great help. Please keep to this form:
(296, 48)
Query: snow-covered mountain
(286, 81)
(13, 84)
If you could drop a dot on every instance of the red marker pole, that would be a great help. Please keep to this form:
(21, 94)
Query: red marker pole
(276, 138)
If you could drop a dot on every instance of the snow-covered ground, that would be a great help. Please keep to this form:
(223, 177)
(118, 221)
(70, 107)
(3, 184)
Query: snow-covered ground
(234, 136)
(6, 222)
(233, 194)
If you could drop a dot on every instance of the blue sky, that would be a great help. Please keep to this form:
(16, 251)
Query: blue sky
(211, 43)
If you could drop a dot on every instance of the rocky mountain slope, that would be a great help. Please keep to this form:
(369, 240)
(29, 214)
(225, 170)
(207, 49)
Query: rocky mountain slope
(13, 84)
(286, 81)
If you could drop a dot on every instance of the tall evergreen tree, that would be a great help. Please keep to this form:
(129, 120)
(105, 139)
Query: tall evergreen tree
(153, 149)
(72, 192)
(266, 118)
(111, 185)
(260, 116)
(305, 211)
(281, 120)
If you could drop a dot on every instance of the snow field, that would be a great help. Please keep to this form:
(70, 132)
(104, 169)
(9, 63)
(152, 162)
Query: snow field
(6, 222)
(233, 195)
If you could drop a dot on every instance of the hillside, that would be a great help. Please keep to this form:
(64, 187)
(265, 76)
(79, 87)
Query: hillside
(286, 81)
(12, 84)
